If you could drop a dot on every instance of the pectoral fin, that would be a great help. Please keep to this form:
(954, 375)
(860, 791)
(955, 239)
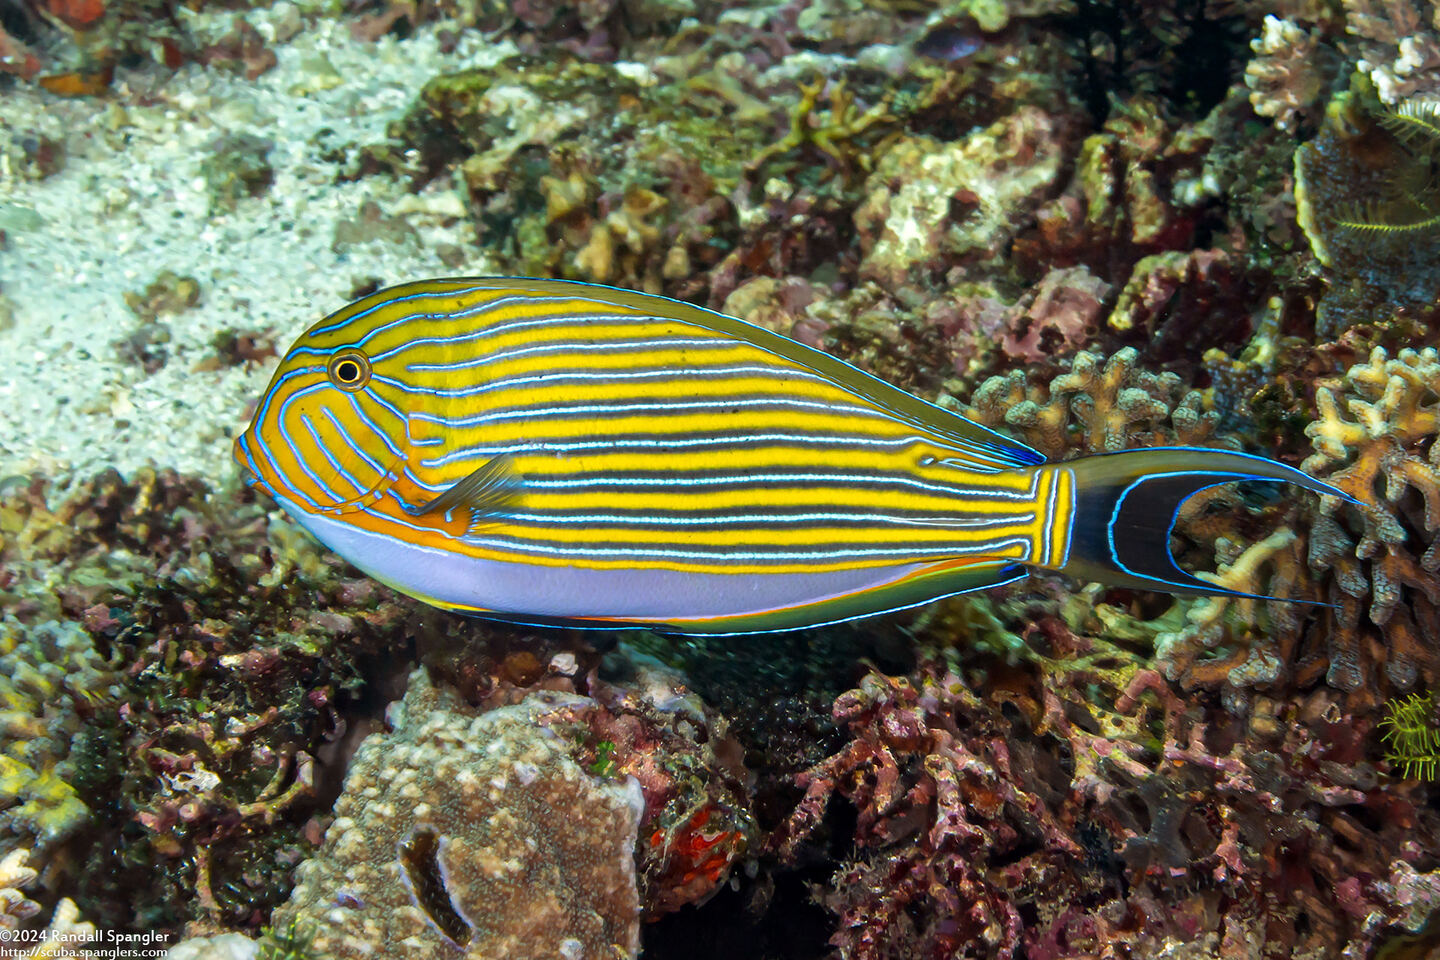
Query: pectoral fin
(488, 490)
(493, 485)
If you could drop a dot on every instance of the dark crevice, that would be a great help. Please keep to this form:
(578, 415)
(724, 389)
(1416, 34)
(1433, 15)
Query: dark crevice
(421, 860)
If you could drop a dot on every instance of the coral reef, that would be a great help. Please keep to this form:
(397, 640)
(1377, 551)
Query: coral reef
(1104, 203)
(457, 836)
(1101, 405)
(1366, 203)
(66, 935)
(909, 226)
(1375, 438)
(1052, 808)
(172, 674)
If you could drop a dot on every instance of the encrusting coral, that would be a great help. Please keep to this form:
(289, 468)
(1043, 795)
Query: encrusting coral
(535, 823)
(475, 835)
(52, 680)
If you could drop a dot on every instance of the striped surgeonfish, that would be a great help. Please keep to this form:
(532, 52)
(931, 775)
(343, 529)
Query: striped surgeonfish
(554, 452)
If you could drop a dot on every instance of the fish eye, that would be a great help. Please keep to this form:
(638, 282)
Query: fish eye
(350, 370)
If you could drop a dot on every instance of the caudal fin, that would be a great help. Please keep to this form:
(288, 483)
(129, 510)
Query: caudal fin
(1126, 505)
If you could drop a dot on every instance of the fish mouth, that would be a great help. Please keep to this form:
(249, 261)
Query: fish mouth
(248, 475)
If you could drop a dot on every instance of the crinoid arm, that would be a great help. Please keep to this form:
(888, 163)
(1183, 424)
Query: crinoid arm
(1390, 219)
(1414, 121)
(1410, 206)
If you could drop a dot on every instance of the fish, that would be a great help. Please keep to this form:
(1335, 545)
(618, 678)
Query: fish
(560, 453)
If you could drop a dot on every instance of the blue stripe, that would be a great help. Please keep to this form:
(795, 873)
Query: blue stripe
(985, 548)
(325, 452)
(460, 291)
(481, 452)
(574, 346)
(541, 413)
(762, 519)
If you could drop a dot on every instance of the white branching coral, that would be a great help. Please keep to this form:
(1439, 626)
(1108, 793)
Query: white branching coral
(15, 907)
(66, 934)
(1398, 44)
(1285, 77)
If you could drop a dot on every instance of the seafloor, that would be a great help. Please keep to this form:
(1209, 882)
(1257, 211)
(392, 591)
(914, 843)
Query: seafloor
(1095, 225)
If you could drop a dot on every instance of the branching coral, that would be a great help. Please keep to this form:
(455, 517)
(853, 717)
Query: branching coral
(1286, 75)
(1397, 45)
(938, 803)
(1375, 438)
(1241, 641)
(15, 876)
(1033, 806)
(1100, 406)
(65, 936)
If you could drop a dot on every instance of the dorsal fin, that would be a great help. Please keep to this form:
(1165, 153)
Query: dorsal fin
(985, 445)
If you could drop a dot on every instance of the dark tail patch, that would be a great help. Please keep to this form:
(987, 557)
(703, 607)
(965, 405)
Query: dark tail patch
(1126, 505)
